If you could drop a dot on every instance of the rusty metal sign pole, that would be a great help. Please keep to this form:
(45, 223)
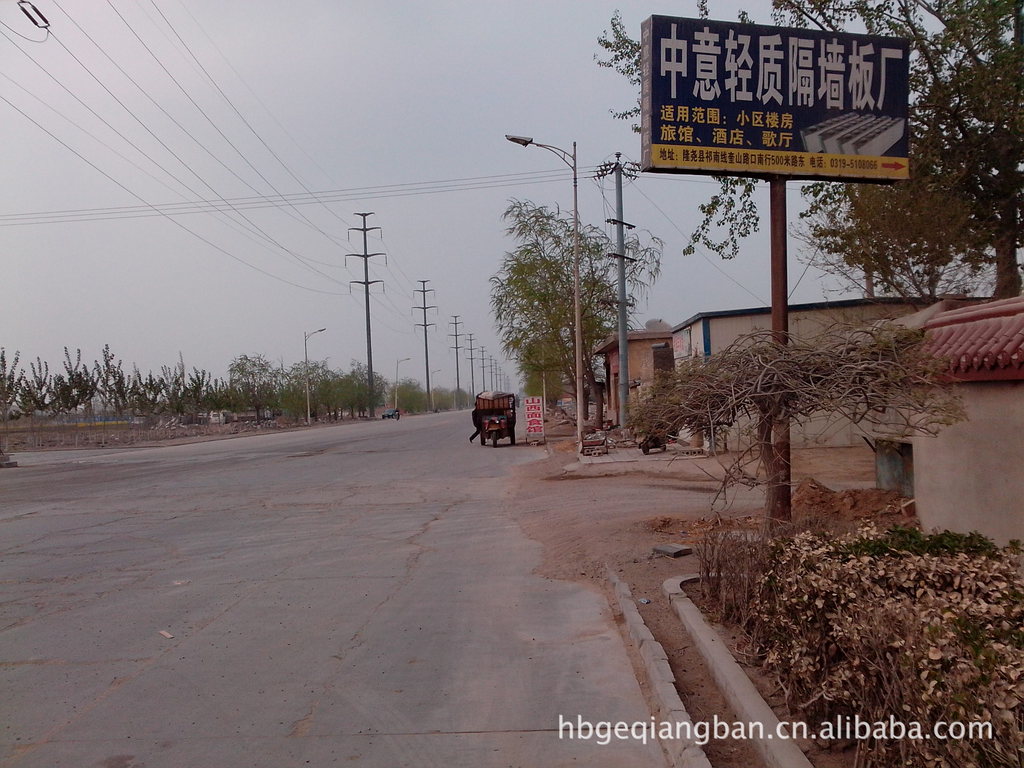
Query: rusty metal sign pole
(779, 490)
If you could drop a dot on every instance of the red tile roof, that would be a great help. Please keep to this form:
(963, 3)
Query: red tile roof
(984, 342)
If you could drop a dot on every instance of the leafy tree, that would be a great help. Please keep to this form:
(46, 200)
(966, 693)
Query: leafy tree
(411, 396)
(532, 294)
(73, 389)
(256, 380)
(355, 393)
(36, 390)
(853, 233)
(221, 396)
(967, 142)
(11, 379)
(175, 395)
(112, 384)
(146, 395)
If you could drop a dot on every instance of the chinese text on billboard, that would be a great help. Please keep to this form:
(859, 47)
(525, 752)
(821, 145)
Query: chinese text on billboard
(534, 408)
(746, 99)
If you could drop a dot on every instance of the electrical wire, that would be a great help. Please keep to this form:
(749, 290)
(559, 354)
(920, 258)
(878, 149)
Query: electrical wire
(185, 165)
(133, 144)
(177, 223)
(698, 251)
(275, 201)
(214, 125)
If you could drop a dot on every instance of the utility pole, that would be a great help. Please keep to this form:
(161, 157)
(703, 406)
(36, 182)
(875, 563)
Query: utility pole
(472, 380)
(426, 351)
(366, 282)
(483, 372)
(456, 323)
(620, 253)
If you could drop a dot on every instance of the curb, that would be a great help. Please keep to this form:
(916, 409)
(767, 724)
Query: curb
(733, 682)
(682, 754)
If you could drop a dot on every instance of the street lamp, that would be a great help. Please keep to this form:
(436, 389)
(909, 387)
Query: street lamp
(396, 378)
(305, 354)
(569, 158)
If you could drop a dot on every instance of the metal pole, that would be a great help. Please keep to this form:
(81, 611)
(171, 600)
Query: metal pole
(455, 397)
(577, 309)
(620, 247)
(570, 160)
(426, 351)
(779, 490)
(396, 379)
(472, 378)
(305, 354)
(366, 282)
(483, 374)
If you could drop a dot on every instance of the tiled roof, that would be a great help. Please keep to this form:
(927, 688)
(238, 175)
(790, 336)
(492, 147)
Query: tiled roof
(984, 342)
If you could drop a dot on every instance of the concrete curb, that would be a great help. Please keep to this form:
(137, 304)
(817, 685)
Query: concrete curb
(682, 754)
(733, 682)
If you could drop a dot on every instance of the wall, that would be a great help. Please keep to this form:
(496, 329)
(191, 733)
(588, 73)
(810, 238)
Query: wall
(971, 476)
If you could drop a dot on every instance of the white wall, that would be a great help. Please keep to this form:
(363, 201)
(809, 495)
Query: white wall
(971, 476)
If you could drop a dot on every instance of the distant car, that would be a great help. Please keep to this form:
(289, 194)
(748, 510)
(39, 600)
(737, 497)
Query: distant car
(391, 413)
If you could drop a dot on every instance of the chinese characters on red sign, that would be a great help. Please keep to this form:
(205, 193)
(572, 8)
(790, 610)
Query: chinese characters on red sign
(534, 408)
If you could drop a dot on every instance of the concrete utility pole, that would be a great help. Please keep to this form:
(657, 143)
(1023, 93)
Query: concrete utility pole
(483, 371)
(366, 282)
(426, 351)
(472, 379)
(620, 254)
(456, 322)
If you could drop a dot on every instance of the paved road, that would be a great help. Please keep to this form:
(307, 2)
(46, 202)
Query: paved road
(353, 595)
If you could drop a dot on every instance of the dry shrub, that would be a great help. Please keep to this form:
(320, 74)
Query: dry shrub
(899, 624)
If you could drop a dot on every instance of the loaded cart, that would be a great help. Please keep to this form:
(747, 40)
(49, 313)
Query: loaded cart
(495, 417)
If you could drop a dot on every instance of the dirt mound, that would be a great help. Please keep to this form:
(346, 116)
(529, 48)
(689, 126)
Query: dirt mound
(812, 499)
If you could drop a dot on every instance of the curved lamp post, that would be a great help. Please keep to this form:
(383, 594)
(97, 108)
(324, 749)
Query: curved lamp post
(305, 354)
(569, 158)
(396, 378)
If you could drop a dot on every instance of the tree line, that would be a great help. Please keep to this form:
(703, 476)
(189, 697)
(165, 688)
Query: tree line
(107, 389)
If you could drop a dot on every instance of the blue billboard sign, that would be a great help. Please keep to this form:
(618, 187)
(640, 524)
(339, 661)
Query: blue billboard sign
(744, 99)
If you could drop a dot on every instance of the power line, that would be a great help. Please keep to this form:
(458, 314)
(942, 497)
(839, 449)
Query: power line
(191, 170)
(697, 251)
(169, 218)
(277, 200)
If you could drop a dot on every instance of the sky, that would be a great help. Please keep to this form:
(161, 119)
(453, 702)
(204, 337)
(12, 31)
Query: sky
(132, 113)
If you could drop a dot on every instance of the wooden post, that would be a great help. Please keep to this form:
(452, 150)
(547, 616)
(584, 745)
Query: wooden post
(779, 496)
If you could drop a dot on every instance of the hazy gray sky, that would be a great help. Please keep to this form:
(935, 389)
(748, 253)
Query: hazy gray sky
(378, 105)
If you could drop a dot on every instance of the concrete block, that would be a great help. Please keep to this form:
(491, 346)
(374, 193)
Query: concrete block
(667, 696)
(651, 651)
(734, 684)
(672, 550)
(660, 670)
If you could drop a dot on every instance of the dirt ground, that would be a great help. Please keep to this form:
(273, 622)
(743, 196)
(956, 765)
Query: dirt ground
(600, 516)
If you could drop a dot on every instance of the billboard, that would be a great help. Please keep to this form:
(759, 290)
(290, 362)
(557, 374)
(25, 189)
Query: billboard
(534, 407)
(745, 99)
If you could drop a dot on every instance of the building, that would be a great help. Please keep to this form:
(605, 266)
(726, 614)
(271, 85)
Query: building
(709, 332)
(971, 475)
(649, 350)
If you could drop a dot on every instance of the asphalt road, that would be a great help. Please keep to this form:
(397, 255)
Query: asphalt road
(352, 595)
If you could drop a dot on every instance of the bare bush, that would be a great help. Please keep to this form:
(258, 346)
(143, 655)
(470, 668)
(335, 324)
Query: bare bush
(920, 628)
(874, 374)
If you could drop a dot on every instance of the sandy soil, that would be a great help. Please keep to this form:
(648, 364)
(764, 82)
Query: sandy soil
(600, 516)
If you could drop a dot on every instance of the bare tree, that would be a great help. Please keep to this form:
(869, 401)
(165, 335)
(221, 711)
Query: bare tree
(878, 374)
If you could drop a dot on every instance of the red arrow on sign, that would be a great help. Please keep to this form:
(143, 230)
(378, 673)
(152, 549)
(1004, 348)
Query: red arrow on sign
(894, 166)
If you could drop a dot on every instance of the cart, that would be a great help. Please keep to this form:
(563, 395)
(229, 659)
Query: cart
(495, 417)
